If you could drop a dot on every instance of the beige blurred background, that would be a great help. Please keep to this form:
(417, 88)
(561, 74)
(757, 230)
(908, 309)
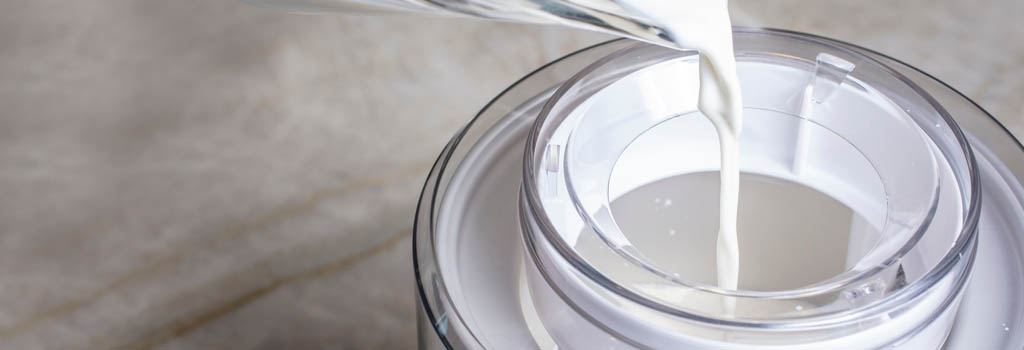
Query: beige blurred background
(210, 175)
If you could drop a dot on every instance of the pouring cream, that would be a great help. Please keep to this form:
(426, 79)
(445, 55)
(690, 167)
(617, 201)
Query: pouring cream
(704, 25)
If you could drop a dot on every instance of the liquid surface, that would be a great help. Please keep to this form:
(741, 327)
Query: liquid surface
(673, 222)
(704, 25)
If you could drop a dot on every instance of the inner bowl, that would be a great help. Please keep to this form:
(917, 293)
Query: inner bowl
(663, 195)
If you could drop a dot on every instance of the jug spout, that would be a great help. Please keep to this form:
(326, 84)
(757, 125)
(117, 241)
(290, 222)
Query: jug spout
(606, 16)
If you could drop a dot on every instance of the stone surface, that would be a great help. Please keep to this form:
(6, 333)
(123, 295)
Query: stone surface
(207, 174)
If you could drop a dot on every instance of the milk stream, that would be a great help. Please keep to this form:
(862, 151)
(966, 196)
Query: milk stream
(704, 25)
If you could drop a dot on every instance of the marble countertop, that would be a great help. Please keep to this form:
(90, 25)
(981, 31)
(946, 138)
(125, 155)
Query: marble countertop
(208, 175)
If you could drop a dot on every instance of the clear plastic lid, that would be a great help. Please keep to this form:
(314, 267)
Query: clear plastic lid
(817, 117)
